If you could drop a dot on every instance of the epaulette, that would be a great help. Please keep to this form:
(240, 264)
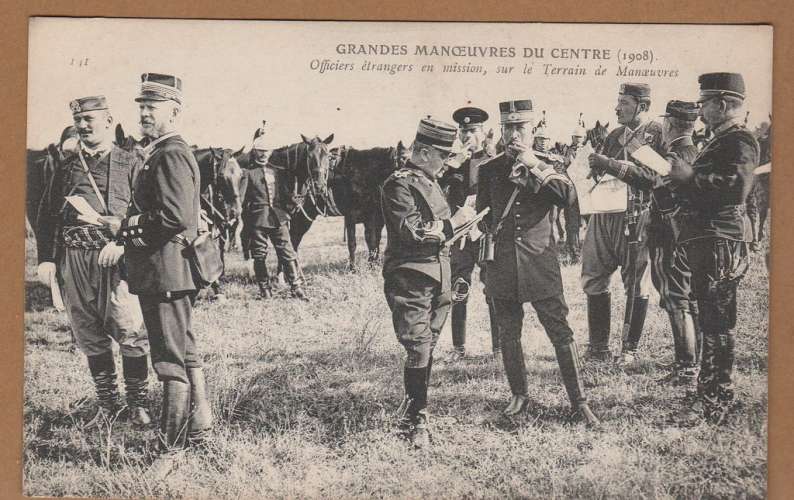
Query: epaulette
(552, 157)
(404, 172)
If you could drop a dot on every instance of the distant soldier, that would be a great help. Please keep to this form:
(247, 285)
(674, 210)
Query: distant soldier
(714, 232)
(619, 239)
(572, 214)
(88, 262)
(266, 208)
(459, 184)
(163, 215)
(520, 189)
(416, 267)
(667, 208)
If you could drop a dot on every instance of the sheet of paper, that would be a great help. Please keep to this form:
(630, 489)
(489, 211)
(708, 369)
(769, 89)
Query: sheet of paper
(86, 211)
(55, 290)
(471, 200)
(651, 159)
(766, 168)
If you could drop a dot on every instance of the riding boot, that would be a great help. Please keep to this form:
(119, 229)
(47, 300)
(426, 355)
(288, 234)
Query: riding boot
(632, 339)
(200, 422)
(262, 278)
(295, 279)
(515, 369)
(568, 360)
(136, 385)
(459, 328)
(598, 325)
(413, 423)
(725, 357)
(103, 371)
(174, 415)
(694, 311)
(495, 341)
(707, 378)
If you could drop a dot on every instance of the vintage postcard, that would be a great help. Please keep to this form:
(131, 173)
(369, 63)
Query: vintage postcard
(327, 259)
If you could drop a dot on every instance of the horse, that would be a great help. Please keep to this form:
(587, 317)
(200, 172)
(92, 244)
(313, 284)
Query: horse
(307, 166)
(597, 135)
(40, 166)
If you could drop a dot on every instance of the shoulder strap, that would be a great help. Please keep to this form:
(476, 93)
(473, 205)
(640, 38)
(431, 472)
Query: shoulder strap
(93, 184)
(507, 208)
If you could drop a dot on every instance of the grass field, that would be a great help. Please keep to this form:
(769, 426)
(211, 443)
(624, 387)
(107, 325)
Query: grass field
(304, 398)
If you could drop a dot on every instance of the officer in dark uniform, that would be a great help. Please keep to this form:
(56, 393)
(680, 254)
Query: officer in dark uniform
(667, 207)
(416, 267)
(90, 263)
(458, 184)
(714, 231)
(520, 190)
(606, 244)
(266, 209)
(165, 209)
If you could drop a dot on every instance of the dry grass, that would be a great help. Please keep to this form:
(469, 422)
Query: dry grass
(304, 396)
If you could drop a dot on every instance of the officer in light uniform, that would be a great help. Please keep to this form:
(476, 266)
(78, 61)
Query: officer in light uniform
(606, 244)
(520, 189)
(89, 263)
(416, 267)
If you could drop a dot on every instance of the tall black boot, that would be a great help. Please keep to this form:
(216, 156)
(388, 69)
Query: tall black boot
(568, 359)
(694, 311)
(136, 385)
(726, 343)
(174, 415)
(515, 369)
(459, 329)
(496, 345)
(685, 343)
(413, 424)
(599, 316)
(295, 279)
(262, 278)
(103, 371)
(200, 421)
(632, 338)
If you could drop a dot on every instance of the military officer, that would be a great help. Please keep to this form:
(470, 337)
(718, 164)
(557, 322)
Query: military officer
(520, 190)
(416, 267)
(459, 184)
(266, 209)
(666, 208)
(572, 214)
(607, 243)
(163, 214)
(714, 231)
(89, 264)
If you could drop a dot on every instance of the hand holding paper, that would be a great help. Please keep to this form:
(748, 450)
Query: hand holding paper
(651, 159)
(86, 212)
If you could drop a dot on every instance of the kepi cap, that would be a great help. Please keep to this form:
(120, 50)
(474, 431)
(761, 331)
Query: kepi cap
(469, 115)
(638, 90)
(711, 84)
(682, 110)
(91, 103)
(160, 87)
(518, 111)
(436, 133)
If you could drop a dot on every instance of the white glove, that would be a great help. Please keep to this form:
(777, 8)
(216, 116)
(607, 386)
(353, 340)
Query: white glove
(46, 272)
(110, 254)
(462, 216)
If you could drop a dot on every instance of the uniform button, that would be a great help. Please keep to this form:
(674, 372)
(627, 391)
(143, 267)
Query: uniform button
(518, 229)
(518, 239)
(518, 215)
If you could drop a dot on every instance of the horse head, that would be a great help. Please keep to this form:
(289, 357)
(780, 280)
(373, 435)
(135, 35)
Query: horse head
(318, 162)
(229, 178)
(128, 142)
(489, 143)
(597, 135)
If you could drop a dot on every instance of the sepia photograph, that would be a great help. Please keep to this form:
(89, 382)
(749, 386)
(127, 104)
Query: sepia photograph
(347, 259)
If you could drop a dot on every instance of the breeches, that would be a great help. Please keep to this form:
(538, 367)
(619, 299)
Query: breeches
(173, 344)
(419, 309)
(605, 249)
(552, 313)
(671, 275)
(99, 306)
(278, 236)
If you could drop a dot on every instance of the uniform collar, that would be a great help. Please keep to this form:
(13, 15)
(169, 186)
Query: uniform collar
(733, 122)
(409, 164)
(100, 149)
(150, 147)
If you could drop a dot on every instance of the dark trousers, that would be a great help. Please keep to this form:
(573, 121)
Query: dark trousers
(278, 236)
(552, 313)
(717, 266)
(462, 262)
(670, 272)
(419, 309)
(171, 340)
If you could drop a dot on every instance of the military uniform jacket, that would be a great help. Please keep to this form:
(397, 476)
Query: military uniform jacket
(165, 203)
(417, 224)
(265, 202)
(525, 267)
(641, 179)
(113, 174)
(723, 177)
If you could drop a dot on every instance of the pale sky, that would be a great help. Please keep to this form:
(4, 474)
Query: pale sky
(237, 73)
